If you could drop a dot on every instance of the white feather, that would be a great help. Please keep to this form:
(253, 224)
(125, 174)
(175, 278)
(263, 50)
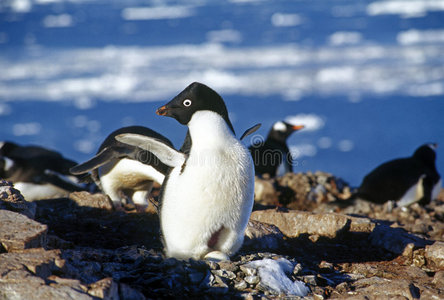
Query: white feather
(33, 191)
(413, 194)
(214, 191)
(128, 174)
(436, 189)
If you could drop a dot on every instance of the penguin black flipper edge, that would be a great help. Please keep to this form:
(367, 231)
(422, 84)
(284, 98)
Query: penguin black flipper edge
(250, 130)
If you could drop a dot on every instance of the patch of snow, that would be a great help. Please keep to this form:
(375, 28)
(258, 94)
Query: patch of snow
(273, 276)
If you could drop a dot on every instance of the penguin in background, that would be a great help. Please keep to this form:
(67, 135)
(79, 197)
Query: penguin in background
(125, 172)
(272, 156)
(207, 197)
(38, 173)
(404, 180)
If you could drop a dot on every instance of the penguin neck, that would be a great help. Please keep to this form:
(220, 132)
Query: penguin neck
(209, 128)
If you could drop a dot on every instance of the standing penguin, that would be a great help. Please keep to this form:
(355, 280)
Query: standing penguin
(123, 171)
(405, 180)
(37, 172)
(207, 198)
(272, 156)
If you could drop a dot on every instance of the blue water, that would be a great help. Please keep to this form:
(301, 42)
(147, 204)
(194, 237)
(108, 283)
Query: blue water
(367, 82)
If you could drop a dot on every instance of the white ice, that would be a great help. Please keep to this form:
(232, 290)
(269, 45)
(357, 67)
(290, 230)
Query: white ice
(273, 275)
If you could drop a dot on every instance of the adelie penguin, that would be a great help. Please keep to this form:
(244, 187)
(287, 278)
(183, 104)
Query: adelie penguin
(272, 156)
(37, 172)
(125, 172)
(405, 180)
(207, 198)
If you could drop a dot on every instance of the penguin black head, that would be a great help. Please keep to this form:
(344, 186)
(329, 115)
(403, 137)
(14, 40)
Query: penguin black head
(195, 97)
(282, 130)
(7, 147)
(426, 153)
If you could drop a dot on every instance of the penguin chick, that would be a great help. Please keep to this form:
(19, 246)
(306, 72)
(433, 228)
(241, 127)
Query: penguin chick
(37, 172)
(207, 198)
(405, 180)
(124, 171)
(272, 156)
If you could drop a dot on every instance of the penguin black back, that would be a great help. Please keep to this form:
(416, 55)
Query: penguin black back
(392, 180)
(272, 156)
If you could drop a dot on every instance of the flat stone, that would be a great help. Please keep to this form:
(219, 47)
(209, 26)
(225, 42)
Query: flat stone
(19, 232)
(91, 200)
(434, 255)
(294, 223)
(39, 262)
(395, 240)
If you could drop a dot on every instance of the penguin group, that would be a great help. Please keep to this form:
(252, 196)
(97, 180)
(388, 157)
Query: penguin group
(207, 185)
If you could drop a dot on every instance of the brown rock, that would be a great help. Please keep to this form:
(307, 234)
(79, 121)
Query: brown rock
(105, 289)
(434, 255)
(19, 232)
(91, 200)
(294, 223)
(264, 192)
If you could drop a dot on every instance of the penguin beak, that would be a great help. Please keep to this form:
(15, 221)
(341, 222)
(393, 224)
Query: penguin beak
(163, 111)
(297, 127)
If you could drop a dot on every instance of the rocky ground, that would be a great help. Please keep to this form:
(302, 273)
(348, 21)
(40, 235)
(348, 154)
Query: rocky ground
(301, 229)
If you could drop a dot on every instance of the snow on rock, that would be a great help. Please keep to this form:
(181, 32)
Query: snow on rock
(273, 276)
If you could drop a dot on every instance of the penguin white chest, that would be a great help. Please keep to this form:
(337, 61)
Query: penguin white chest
(211, 195)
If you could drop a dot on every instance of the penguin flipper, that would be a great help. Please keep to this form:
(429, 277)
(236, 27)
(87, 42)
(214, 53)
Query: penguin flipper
(168, 155)
(250, 131)
(97, 161)
(61, 181)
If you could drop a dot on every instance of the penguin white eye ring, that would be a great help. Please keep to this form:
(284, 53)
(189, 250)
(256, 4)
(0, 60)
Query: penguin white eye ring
(187, 102)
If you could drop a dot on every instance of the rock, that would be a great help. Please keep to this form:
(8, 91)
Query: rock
(394, 239)
(105, 289)
(18, 232)
(434, 255)
(294, 223)
(264, 192)
(91, 200)
(262, 236)
(40, 262)
(11, 199)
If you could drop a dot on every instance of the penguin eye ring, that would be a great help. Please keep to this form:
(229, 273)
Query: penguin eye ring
(187, 102)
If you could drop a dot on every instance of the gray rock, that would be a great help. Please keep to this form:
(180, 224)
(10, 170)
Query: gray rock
(19, 232)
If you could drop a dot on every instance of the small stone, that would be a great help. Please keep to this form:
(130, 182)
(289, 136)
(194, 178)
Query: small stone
(434, 254)
(196, 277)
(105, 289)
(241, 285)
(228, 265)
(249, 271)
(252, 279)
(224, 273)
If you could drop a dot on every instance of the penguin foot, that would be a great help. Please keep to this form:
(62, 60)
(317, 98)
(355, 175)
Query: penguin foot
(216, 256)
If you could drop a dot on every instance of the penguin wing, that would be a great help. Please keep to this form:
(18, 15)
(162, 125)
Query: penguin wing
(168, 155)
(97, 161)
(61, 181)
(250, 131)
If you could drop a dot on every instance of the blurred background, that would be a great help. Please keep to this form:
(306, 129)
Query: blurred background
(366, 78)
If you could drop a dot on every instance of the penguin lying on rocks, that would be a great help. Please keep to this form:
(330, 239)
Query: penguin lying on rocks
(405, 180)
(272, 156)
(125, 172)
(37, 172)
(207, 197)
